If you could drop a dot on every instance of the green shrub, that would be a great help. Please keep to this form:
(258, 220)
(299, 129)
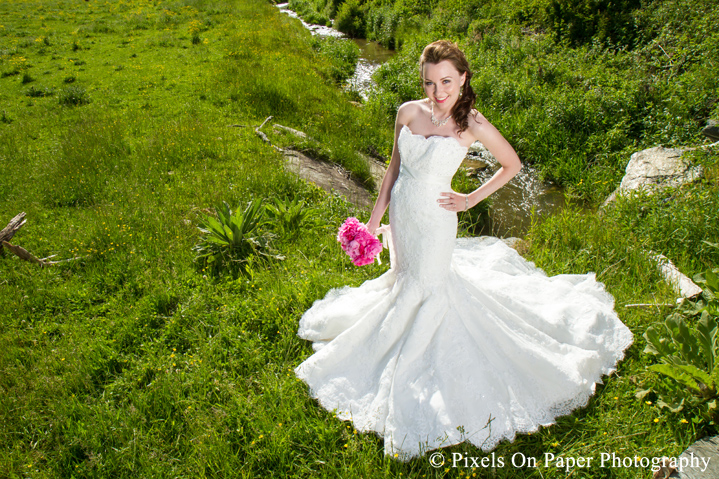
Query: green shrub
(381, 25)
(74, 96)
(582, 21)
(309, 13)
(689, 366)
(351, 19)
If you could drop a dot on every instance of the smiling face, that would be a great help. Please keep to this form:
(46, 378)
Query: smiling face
(442, 84)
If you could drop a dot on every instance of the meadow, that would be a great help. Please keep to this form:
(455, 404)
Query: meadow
(135, 361)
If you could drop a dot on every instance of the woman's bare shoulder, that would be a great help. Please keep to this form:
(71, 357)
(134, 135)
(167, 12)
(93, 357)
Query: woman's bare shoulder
(477, 123)
(409, 110)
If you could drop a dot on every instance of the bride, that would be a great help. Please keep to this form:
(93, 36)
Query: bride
(461, 339)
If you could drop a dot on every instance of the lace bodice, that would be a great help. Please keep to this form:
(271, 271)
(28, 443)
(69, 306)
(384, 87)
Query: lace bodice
(435, 155)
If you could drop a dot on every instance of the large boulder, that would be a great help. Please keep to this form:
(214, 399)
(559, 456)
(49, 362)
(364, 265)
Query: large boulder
(711, 131)
(654, 169)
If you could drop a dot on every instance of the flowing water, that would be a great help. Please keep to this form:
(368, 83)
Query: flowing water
(514, 204)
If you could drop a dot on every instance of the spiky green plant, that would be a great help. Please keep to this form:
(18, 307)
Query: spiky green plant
(288, 217)
(231, 240)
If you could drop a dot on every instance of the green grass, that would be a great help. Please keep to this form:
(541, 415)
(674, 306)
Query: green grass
(131, 362)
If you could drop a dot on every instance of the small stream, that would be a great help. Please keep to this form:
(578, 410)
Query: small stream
(513, 205)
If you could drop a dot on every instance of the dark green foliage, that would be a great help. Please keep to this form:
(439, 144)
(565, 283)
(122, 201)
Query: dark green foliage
(39, 91)
(583, 21)
(351, 19)
(381, 25)
(310, 12)
(74, 96)
(687, 344)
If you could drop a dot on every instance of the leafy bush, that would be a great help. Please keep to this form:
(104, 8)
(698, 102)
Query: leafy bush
(689, 359)
(74, 96)
(582, 21)
(309, 12)
(351, 19)
(381, 25)
(232, 242)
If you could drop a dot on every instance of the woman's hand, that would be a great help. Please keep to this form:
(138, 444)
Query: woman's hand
(372, 226)
(454, 201)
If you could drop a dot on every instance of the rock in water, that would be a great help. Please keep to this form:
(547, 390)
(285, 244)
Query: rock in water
(700, 460)
(656, 168)
(711, 130)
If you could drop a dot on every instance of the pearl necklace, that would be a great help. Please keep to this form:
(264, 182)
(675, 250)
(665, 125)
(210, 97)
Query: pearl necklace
(437, 122)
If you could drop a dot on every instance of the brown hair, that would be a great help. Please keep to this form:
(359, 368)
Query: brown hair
(445, 50)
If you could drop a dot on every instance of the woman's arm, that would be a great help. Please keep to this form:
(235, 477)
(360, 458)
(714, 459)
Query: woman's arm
(493, 140)
(390, 176)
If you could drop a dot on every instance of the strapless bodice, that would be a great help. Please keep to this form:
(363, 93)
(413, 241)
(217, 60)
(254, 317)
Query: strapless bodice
(427, 157)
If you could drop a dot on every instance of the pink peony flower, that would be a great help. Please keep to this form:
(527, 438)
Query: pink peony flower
(357, 242)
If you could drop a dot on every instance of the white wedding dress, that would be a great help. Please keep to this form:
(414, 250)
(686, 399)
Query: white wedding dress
(461, 339)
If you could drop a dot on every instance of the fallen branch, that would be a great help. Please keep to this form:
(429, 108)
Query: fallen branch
(650, 305)
(263, 123)
(22, 253)
(262, 135)
(301, 134)
(9, 231)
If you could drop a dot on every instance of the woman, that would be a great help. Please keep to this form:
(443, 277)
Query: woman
(461, 339)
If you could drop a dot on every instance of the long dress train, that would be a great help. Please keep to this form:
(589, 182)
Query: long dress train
(461, 339)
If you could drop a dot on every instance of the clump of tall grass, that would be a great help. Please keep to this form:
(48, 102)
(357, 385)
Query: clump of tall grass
(341, 53)
(74, 96)
(39, 91)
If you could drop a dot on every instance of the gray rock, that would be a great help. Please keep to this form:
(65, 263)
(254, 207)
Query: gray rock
(654, 169)
(712, 130)
(700, 460)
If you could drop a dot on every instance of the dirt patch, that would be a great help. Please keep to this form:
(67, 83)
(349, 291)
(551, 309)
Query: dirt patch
(333, 178)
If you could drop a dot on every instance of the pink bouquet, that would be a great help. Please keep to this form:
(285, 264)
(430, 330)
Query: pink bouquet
(357, 242)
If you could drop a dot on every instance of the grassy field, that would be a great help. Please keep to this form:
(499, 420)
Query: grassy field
(134, 362)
